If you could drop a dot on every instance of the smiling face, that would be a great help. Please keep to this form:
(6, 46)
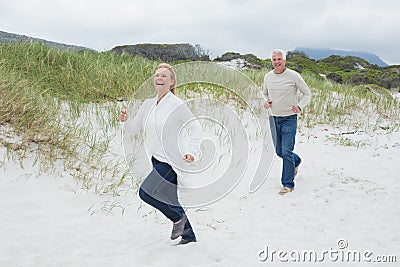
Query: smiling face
(163, 80)
(278, 63)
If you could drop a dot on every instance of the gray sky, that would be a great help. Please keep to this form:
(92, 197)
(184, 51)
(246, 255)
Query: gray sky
(243, 26)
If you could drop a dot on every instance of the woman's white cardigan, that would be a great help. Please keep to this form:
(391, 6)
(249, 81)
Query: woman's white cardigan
(171, 129)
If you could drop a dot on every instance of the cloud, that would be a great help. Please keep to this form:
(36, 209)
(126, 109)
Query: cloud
(256, 26)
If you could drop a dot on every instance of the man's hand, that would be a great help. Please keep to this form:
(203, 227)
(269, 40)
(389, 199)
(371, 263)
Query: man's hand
(296, 109)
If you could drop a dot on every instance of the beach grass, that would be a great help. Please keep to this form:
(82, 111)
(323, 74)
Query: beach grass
(62, 106)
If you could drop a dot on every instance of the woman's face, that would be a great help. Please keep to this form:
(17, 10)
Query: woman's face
(163, 79)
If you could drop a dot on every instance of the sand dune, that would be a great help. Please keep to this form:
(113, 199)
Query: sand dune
(342, 192)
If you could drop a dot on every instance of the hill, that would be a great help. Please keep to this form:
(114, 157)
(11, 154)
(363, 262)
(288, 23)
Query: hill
(353, 70)
(6, 37)
(350, 70)
(320, 53)
(347, 70)
(165, 52)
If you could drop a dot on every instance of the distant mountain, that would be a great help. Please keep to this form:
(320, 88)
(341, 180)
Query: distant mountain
(6, 37)
(320, 53)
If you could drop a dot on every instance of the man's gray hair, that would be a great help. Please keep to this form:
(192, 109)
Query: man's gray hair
(279, 51)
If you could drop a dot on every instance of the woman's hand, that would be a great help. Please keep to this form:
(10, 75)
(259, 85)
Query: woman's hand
(123, 116)
(188, 158)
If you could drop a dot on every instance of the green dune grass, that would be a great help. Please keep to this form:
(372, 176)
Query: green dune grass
(62, 105)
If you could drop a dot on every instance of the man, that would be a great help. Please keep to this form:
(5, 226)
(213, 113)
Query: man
(281, 86)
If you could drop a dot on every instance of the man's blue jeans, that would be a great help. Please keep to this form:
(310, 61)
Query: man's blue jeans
(159, 190)
(283, 130)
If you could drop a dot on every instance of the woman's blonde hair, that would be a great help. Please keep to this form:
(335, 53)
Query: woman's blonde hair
(173, 76)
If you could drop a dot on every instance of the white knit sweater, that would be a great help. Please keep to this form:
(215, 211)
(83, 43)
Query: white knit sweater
(165, 126)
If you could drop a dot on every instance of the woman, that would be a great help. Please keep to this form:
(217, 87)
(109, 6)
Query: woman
(162, 119)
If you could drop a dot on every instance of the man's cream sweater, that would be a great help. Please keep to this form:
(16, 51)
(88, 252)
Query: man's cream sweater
(282, 90)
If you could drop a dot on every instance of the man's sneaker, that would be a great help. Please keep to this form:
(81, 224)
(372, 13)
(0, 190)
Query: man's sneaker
(178, 227)
(285, 190)
(184, 241)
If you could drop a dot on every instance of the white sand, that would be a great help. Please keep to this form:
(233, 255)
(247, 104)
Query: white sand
(342, 193)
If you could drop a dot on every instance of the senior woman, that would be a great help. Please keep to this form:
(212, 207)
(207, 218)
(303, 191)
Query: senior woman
(162, 119)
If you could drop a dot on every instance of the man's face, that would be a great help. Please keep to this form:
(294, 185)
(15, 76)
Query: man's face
(278, 63)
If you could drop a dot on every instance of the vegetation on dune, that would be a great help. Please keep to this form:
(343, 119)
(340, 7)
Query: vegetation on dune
(29, 123)
(62, 104)
(80, 75)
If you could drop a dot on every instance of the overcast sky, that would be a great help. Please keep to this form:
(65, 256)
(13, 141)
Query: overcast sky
(243, 26)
